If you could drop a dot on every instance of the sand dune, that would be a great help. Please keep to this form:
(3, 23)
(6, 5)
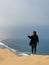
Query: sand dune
(9, 58)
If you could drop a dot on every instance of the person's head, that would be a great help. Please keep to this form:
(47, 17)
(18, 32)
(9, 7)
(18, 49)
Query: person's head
(34, 32)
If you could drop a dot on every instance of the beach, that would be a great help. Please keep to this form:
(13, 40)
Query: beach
(9, 58)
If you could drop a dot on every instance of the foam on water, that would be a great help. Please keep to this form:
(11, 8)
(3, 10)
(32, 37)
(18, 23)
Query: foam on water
(2, 45)
(23, 54)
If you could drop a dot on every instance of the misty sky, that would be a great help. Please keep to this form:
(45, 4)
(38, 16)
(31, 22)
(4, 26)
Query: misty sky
(19, 16)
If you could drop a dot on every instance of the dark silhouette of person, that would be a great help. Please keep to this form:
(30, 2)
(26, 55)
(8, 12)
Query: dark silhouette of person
(34, 40)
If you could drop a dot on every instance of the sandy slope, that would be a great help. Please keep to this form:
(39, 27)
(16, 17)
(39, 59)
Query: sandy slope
(9, 58)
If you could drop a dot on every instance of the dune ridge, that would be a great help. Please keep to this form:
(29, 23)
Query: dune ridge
(9, 58)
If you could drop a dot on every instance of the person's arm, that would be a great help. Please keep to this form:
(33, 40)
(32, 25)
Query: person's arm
(30, 37)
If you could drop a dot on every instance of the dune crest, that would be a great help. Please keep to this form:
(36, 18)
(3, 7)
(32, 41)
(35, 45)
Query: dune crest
(9, 58)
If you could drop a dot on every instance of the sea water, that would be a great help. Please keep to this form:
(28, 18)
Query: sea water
(22, 46)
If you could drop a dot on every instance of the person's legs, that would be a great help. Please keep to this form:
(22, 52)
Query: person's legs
(34, 49)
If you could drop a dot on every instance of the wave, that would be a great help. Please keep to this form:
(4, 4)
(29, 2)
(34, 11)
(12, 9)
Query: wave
(3, 46)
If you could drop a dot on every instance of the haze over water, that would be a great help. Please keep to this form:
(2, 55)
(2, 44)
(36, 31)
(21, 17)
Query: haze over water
(19, 17)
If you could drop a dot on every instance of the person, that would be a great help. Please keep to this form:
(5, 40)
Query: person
(34, 40)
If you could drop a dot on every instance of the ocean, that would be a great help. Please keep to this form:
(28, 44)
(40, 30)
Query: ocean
(21, 46)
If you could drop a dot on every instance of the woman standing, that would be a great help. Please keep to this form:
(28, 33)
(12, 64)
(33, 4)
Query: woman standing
(34, 40)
